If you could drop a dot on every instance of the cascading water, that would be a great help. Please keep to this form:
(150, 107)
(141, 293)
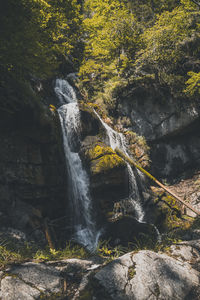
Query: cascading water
(83, 225)
(117, 140)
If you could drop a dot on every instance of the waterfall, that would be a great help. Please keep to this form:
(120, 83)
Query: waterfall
(82, 222)
(117, 140)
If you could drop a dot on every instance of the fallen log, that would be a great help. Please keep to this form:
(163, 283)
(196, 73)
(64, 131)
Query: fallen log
(133, 163)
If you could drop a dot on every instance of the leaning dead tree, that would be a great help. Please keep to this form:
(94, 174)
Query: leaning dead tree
(133, 163)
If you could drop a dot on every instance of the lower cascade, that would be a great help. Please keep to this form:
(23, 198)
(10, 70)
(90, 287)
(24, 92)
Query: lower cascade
(83, 225)
(82, 222)
(117, 140)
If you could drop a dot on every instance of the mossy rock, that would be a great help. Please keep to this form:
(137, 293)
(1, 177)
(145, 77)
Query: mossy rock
(98, 151)
(106, 163)
(169, 213)
(103, 159)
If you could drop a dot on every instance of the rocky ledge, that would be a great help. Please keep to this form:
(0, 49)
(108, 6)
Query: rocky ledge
(141, 275)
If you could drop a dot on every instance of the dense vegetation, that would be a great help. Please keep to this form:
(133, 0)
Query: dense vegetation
(36, 36)
(133, 41)
(112, 43)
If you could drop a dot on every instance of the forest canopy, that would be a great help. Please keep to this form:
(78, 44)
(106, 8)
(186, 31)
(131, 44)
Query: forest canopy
(111, 43)
(138, 39)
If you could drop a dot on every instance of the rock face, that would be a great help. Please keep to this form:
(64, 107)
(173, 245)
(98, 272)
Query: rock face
(32, 180)
(107, 171)
(148, 275)
(126, 229)
(169, 125)
(174, 156)
(53, 280)
(141, 276)
(108, 175)
(188, 251)
(158, 116)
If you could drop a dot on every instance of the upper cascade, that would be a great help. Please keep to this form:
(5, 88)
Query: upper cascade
(82, 222)
(64, 91)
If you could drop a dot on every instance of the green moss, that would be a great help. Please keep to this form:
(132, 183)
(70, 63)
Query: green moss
(131, 272)
(107, 162)
(169, 213)
(103, 158)
(86, 295)
(171, 202)
(98, 151)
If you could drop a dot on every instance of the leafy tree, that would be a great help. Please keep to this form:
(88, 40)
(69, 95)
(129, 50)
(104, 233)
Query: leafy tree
(34, 33)
(111, 34)
(146, 10)
(193, 84)
(171, 45)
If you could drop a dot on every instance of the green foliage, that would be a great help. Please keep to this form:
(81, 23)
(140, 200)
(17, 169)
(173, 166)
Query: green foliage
(110, 45)
(127, 41)
(70, 251)
(34, 33)
(193, 84)
(11, 253)
(174, 37)
(169, 215)
(8, 256)
(146, 10)
(109, 253)
(108, 97)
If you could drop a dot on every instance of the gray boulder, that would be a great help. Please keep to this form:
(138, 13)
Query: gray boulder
(15, 289)
(147, 275)
(63, 279)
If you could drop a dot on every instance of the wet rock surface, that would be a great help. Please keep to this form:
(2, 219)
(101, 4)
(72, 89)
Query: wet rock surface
(108, 175)
(126, 230)
(32, 173)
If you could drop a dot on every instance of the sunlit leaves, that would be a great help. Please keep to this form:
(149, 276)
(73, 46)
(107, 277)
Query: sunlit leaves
(173, 40)
(193, 84)
(111, 33)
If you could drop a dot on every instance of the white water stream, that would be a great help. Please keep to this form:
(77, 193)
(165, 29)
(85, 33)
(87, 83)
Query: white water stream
(82, 221)
(83, 224)
(117, 140)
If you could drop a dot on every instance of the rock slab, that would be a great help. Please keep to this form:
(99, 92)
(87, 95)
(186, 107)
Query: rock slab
(147, 275)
